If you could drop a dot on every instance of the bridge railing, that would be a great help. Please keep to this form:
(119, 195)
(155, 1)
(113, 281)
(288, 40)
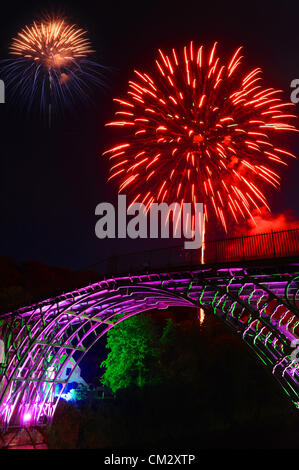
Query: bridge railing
(277, 244)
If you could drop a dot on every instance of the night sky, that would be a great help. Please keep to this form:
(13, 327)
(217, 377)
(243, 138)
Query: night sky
(52, 179)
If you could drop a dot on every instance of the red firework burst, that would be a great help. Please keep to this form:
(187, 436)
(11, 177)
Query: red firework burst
(197, 130)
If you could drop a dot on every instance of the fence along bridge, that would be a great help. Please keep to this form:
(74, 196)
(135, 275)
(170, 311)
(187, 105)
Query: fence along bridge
(251, 283)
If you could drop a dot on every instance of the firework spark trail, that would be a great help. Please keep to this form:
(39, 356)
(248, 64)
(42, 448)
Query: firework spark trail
(51, 64)
(196, 130)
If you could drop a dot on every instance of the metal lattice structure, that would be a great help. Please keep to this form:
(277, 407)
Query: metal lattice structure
(258, 301)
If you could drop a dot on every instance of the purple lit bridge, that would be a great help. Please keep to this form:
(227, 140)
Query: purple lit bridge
(251, 283)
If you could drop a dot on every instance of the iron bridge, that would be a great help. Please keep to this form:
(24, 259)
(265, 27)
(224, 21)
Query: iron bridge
(251, 285)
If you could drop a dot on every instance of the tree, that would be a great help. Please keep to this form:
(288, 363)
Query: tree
(145, 351)
(134, 353)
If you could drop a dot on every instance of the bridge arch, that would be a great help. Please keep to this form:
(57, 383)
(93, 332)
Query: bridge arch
(259, 305)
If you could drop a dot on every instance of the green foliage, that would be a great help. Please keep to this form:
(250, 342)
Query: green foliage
(145, 351)
(134, 353)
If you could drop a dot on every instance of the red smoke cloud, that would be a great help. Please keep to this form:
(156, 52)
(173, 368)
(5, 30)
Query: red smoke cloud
(266, 222)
